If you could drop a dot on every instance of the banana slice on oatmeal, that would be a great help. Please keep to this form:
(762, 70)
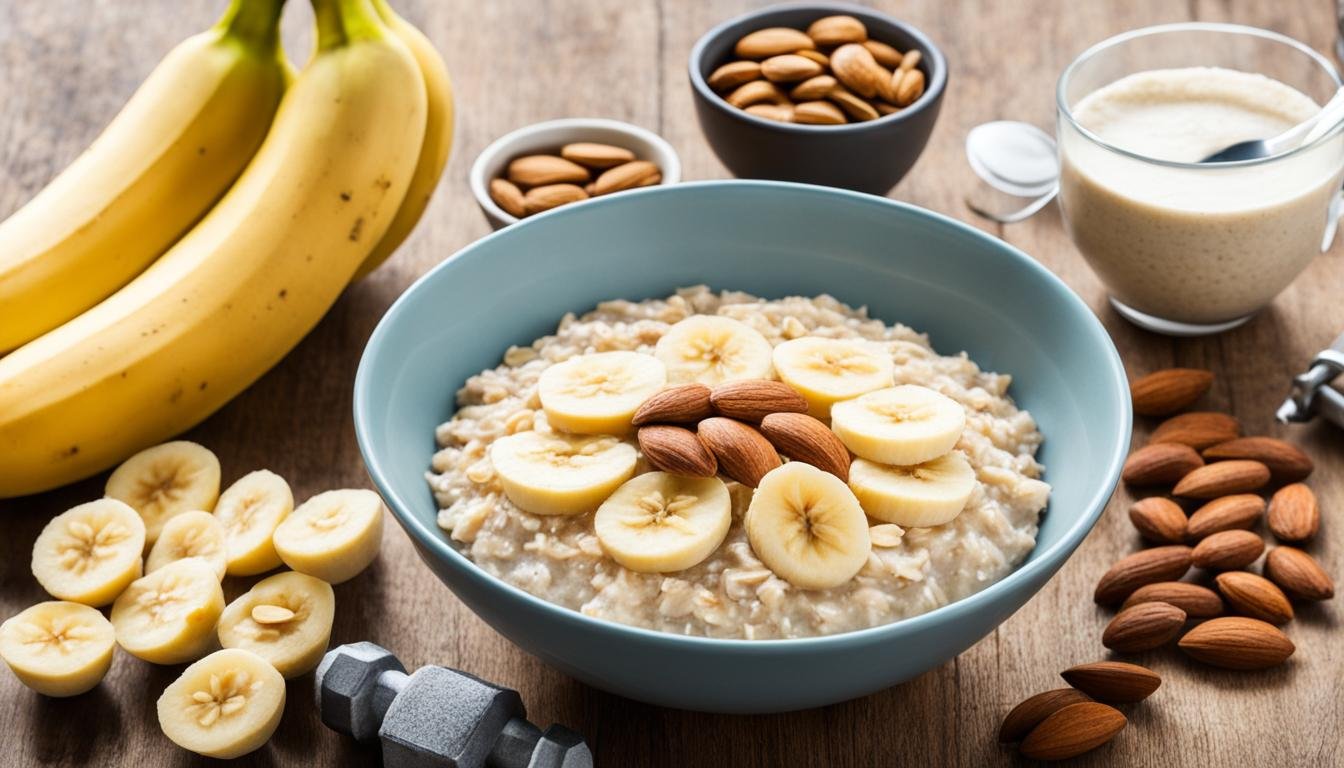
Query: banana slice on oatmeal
(225, 705)
(285, 619)
(250, 510)
(58, 648)
(920, 496)
(902, 425)
(711, 349)
(169, 616)
(334, 535)
(828, 371)
(89, 553)
(598, 394)
(190, 534)
(661, 523)
(166, 480)
(556, 474)
(807, 527)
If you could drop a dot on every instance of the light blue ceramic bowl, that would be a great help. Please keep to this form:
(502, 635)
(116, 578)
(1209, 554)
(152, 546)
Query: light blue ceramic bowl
(967, 290)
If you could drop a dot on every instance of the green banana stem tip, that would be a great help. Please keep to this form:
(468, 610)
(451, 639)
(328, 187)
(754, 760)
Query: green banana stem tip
(342, 21)
(256, 22)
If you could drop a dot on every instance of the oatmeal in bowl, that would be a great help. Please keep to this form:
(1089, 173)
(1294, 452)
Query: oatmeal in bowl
(719, 465)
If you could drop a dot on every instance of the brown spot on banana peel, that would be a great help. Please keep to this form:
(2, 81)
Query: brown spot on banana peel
(354, 231)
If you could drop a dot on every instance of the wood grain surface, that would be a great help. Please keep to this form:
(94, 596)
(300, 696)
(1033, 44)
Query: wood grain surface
(66, 66)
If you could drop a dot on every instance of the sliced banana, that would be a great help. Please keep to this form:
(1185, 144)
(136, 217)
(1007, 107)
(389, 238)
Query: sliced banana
(169, 616)
(58, 648)
(661, 523)
(920, 496)
(598, 394)
(908, 424)
(827, 371)
(90, 553)
(285, 619)
(711, 349)
(250, 510)
(807, 527)
(165, 481)
(556, 474)
(225, 705)
(334, 535)
(190, 534)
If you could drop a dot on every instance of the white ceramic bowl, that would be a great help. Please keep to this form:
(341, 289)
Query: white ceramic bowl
(553, 134)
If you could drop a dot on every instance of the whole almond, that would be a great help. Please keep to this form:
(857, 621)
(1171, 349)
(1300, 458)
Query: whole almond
(624, 176)
(910, 60)
(1143, 627)
(548, 196)
(679, 404)
(1294, 513)
(508, 196)
(816, 56)
(733, 74)
(1148, 566)
(909, 88)
(743, 453)
(1240, 510)
(754, 399)
(1255, 596)
(1073, 730)
(1222, 478)
(1160, 464)
(818, 113)
(1197, 601)
(813, 88)
(837, 30)
(1298, 574)
(789, 68)
(756, 92)
(854, 66)
(1287, 463)
(772, 41)
(1165, 392)
(803, 438)
(1021, 719)
(540, 170)
(593, 155)
(1159, 520)
(883, 108)
(1236, 642)
(780, 113)
(884, 54)
(676, 450)
(1198, 429)
(853, 106)
(1227, 550)
(1116, 682)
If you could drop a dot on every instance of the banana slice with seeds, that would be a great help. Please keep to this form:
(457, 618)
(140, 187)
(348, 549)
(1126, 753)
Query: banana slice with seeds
(711, 349)
(225, 705)
(904, 425)
(827, 371)
(285, 619)
(807, 527)
(250, 510)
(190, 534)
(598, 394)
(920, 496)
(90, 553)
(556, 474)
(169, 616)
(661, 523)
(165, 481)
(58, 648)
(334, 535)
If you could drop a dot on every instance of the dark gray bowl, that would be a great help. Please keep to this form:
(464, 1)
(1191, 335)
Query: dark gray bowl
(867, 157)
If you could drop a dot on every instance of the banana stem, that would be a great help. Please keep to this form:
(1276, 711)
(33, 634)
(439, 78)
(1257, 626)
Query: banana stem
(340, 22)
(256, 22)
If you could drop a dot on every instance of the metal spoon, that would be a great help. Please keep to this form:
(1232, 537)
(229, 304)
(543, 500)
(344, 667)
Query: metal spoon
(1301, 134)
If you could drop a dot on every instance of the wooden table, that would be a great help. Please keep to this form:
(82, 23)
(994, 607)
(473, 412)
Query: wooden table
(68, 66)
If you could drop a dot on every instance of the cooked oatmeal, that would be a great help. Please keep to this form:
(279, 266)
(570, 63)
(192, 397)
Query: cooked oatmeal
(732, 594)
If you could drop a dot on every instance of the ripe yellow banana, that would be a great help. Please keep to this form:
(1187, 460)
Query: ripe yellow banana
(175, 148)
(438, 137)
(244, 286)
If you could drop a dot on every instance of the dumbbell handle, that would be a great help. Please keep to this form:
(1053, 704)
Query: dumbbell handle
(389, 684)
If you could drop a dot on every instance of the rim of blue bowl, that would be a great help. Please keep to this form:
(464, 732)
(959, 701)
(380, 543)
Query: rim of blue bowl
(933, 90)
(428, 537)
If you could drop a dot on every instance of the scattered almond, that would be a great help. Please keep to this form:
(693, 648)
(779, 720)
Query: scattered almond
(1148, 566)
(508, 196)
(1025, 716)
(1197, 601)
(680, 404)
(733, 74)
(837, 30)
(1298, 574)
(1223, 478)
(1294, 514)
(789, 68)
(1165, 392)
(743, 453)
(1227, 550)
(1255, 596)
(1160, 464)
(1115, 682)
(1073, 730)
(754, 399)
(548, 196)
(540, 170)
(803, 438)
(1198, 430)
(1240, 510)
(594, 155)
(1143, 627)
(676, 450)
(1287, 463)
(764, 43)
(1159, 520)
(1236, 642)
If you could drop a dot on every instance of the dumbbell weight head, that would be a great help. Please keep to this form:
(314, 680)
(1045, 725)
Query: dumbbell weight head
(349, 698)
(446, 719)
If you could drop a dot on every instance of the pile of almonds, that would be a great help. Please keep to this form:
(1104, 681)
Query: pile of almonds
(830, 75)
(536, 183)
(1066, 722)
(741, 428)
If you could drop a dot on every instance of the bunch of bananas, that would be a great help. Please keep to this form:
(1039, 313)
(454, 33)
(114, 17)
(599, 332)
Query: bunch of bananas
(208, 229)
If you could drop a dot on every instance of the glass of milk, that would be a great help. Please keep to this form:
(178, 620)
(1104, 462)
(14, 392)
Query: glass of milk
(1186, 248)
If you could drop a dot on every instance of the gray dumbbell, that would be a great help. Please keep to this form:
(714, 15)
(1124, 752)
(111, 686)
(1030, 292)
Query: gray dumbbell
(436, 717)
